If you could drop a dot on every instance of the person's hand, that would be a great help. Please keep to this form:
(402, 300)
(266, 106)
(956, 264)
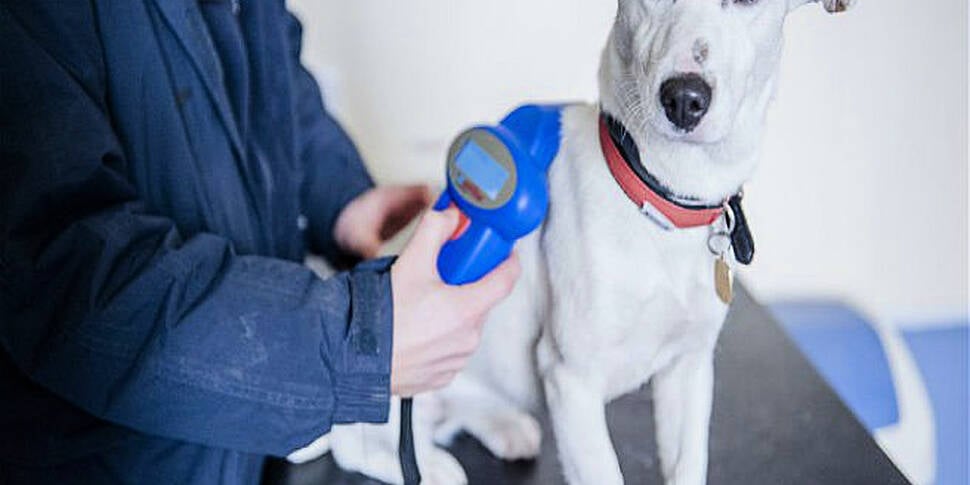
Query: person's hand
(437, 327)
(375, 216)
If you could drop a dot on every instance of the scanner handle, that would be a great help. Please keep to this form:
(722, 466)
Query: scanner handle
(476, 251)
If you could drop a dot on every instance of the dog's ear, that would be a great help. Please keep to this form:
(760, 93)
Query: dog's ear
(629, 14)
(832, 6)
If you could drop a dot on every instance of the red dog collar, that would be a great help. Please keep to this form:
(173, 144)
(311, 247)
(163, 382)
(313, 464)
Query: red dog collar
(651, 200)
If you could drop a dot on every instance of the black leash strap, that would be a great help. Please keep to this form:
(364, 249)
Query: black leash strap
(405, 449)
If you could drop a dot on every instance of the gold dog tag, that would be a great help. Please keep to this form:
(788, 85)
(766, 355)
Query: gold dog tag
(722, 280)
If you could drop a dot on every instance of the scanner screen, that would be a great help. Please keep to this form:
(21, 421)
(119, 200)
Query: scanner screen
(478, 167)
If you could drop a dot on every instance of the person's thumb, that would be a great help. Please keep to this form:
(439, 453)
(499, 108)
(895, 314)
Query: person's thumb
(434, 230)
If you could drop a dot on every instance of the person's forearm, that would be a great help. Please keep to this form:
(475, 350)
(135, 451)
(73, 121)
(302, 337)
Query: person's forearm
(200, 345)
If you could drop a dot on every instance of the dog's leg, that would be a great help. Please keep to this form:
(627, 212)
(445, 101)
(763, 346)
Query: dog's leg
(371, 449)
(579, 422)
(312, 451)
(507, 431)
(682, 410)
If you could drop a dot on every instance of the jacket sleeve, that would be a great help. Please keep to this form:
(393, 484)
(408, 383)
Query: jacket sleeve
(114, 310)
(334, 171)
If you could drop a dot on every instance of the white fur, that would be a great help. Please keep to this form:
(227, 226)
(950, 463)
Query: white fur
(608, 300)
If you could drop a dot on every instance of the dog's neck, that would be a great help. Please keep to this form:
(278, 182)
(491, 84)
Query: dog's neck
(700, 171)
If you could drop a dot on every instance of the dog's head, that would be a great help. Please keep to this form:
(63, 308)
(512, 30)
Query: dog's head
(691, 81)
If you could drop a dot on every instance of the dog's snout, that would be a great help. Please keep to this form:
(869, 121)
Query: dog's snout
(685, 100)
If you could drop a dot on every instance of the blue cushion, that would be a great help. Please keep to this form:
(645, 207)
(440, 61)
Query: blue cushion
(941, 354)
(847, 352)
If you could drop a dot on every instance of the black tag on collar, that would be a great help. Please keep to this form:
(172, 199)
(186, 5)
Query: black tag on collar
(741, 239)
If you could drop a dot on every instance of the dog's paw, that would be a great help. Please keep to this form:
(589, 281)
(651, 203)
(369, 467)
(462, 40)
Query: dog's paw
(312, 451)
(379, 460)
(440, 468)
(509, 435)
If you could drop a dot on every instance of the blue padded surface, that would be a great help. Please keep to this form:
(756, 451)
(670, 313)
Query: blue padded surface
(847, 352)
(941, 354)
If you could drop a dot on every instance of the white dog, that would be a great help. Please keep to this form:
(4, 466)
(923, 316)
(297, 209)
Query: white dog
(616, 292)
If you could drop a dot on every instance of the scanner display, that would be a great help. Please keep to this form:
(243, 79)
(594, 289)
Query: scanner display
(479, 173)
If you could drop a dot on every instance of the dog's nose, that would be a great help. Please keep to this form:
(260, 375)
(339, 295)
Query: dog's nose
(685, 100)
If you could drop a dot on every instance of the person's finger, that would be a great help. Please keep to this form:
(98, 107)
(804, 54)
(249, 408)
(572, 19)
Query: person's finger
(457, 362)
(399, 201)
(434, 230)
(370, 249)
(441, 380)
(401, 205)
(428, 193)
(453, 363)
(462, 343)
(405, 194)
(485, 293)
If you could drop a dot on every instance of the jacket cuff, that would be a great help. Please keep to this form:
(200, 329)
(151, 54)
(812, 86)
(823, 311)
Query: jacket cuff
(362, 378)
(362, 398)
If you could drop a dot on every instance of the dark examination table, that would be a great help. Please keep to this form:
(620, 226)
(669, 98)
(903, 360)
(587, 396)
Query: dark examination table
(775, 421)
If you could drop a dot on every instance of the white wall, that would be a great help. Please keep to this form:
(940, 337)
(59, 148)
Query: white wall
(863, 187)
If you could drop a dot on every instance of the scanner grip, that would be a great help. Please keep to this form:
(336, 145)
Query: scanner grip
(473, 254)
(443, 202)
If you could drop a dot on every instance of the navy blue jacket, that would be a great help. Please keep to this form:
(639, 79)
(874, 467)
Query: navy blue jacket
(164, 167)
